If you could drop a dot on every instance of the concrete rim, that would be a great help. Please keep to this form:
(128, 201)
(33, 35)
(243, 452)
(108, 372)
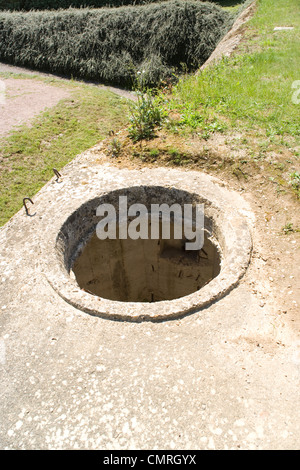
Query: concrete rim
(235, 231)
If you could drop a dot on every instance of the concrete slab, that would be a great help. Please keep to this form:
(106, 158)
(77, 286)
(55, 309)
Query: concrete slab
(221, 378)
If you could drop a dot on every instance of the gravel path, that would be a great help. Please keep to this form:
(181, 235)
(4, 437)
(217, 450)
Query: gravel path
(21, 100)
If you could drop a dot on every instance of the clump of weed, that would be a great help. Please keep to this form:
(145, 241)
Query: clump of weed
(146, 115)
(295, 182)
(288, 228)
(115, 147)
(154, 153)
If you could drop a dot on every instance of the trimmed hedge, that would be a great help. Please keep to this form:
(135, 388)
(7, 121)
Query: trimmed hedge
(111, 44)
(27, 5)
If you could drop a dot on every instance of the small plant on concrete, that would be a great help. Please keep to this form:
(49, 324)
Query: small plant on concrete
(288, 228)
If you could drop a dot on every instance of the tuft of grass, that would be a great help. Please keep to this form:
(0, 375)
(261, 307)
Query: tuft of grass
(295, 182)
(115, 147)
(29, 155)
(289, 228)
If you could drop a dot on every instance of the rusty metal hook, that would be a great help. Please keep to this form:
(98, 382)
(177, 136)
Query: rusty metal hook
(57, 174)
(24, 203)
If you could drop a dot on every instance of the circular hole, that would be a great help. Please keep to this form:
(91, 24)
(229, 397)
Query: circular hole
(145, 270)
(147, 278)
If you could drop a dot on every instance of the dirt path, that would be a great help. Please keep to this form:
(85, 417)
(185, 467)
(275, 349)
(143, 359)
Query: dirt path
(22, 99)
(6, 68)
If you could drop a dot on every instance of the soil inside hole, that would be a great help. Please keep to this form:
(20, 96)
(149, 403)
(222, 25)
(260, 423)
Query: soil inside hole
(145, 270)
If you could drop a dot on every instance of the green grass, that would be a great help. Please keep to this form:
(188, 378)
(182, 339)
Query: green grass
(230, 5)
(252, 89)
(29, 155)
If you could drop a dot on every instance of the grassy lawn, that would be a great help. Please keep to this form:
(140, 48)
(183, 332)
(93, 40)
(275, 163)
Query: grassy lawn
(252, 89)
(29, 155)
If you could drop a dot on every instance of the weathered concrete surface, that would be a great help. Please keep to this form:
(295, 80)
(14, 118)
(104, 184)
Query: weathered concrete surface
(223, 377)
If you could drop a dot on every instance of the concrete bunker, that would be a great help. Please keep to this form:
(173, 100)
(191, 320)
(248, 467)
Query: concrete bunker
(148, 279)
